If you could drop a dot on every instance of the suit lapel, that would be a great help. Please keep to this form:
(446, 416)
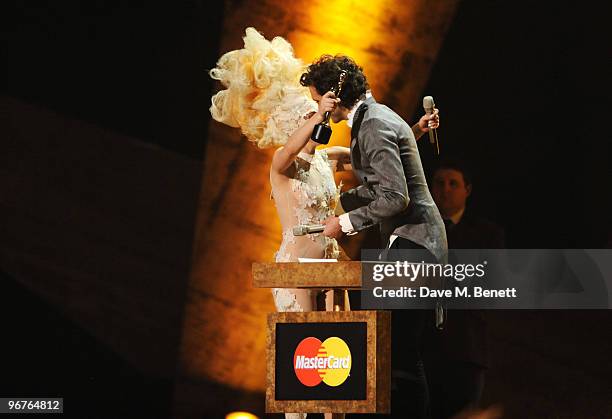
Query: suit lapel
(355, 152)
(358, 120)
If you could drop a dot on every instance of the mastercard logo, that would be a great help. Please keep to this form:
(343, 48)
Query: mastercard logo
(328, 361)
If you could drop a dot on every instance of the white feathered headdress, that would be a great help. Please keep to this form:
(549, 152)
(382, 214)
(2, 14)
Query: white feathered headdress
(263, 95)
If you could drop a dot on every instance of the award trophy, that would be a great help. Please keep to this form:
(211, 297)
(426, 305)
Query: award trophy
(322, 132)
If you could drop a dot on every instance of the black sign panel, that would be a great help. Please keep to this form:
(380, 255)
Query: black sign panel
(324, 373)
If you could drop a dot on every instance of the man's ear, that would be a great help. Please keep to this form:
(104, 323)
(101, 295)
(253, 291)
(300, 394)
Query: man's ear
(468, 188)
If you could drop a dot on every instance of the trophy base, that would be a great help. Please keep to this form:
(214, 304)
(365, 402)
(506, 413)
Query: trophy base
(321, 134)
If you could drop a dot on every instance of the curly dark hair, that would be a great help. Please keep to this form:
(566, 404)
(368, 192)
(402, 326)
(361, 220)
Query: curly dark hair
(324, 74)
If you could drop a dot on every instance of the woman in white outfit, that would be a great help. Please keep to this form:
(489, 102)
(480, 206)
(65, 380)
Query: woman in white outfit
(264, 99)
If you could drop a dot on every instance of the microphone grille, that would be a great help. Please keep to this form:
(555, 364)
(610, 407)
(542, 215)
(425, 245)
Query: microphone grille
(428, 102)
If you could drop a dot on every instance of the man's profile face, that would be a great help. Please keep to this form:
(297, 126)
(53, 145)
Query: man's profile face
(449, 191)
(338, 114)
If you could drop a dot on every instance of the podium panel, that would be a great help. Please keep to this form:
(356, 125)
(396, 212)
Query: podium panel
(336, 361)
(346, 275)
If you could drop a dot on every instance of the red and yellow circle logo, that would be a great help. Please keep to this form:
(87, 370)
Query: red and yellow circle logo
(328, 361)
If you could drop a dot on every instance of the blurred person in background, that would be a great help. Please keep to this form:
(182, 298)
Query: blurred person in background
(456, 356)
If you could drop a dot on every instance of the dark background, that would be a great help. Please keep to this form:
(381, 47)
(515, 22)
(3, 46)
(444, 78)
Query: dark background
(135, 67)
(523, 94)
(136, 70)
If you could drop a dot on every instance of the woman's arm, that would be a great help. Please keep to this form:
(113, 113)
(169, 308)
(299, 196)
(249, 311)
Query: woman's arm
(342, 155)
(284, 156)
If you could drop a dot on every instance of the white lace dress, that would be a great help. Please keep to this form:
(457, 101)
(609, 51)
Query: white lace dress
(309, 197)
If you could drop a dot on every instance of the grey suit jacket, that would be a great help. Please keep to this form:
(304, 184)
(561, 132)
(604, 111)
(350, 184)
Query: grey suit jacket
(394, 192)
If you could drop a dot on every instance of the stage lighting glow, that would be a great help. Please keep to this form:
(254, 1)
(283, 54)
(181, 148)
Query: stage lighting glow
(373, 33)
(241, 415)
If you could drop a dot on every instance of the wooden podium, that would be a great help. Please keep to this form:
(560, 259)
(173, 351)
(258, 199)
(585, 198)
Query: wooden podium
(366, 334)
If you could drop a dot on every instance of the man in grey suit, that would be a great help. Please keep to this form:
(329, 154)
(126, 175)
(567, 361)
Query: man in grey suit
(393, 195)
